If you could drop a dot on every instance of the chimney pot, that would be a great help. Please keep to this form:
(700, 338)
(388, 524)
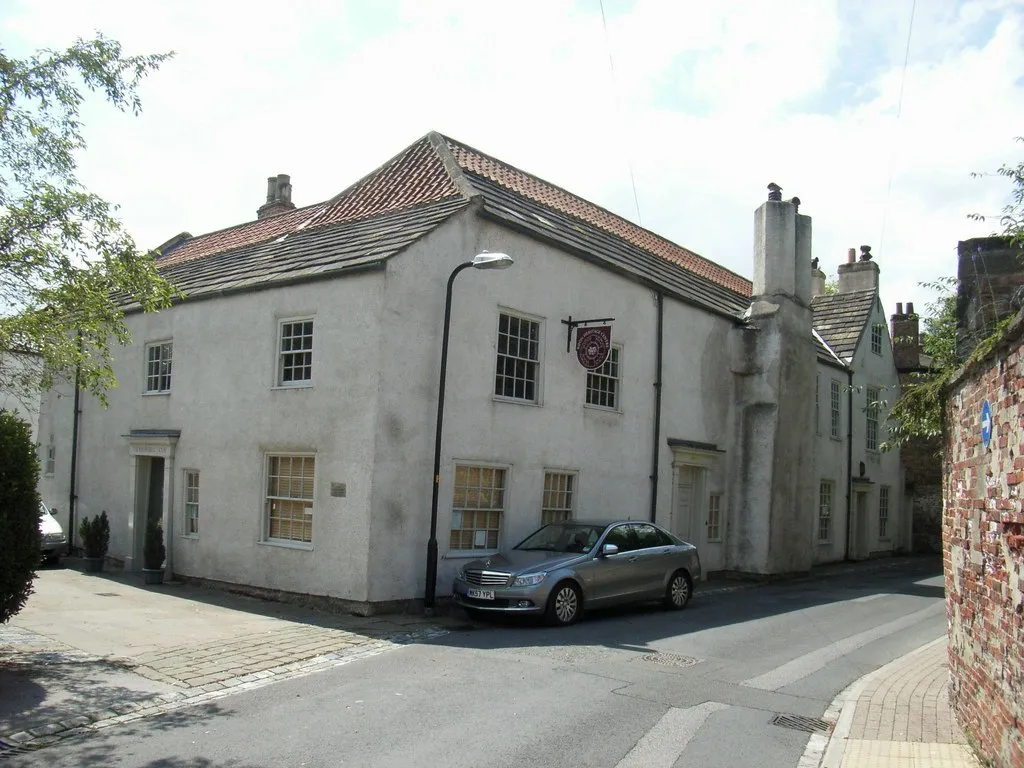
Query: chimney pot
(899, 307)
(910, 307)
(851, 255)
(279, 196)
(775, 192)
(865, 253)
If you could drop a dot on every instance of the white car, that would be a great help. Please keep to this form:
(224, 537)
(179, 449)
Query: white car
(55, 543)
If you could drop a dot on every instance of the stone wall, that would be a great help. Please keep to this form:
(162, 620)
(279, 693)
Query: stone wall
(983, 536)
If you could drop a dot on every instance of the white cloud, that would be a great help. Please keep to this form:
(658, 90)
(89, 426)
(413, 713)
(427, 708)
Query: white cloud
(710, 102)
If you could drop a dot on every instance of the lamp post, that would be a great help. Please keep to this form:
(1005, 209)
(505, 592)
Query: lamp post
(480, 261)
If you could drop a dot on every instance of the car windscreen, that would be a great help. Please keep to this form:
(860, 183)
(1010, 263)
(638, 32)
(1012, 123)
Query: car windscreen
(563, 537)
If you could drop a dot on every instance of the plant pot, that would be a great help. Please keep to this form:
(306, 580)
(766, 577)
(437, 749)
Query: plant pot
(93, 564)
(153, 575)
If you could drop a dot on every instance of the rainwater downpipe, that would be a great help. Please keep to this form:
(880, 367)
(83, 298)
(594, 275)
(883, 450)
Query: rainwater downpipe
(72, 498)
(657, 406)
(849, 463)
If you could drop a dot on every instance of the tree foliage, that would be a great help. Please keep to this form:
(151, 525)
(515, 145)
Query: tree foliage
(20, 546)
(66, 264)
(920, 410)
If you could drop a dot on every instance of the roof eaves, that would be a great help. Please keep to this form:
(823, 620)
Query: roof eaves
(488, 213)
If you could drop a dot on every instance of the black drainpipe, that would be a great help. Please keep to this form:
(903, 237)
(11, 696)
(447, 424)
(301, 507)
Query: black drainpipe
(657, 408)
(849, 464)
(72, 499)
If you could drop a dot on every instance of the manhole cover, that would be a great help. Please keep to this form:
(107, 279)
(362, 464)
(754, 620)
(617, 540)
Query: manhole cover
(9, 750)
(801, 723)
(671, 659)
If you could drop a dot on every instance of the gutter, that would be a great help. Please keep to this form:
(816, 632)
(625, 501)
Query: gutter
(657, 406)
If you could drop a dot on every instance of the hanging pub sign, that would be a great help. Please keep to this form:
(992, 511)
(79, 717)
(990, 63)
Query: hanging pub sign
(593, 345)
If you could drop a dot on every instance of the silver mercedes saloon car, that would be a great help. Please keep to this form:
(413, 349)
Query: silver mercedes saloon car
(563, 568)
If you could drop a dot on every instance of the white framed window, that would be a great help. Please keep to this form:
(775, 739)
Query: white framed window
(817, 409)
(604, 383)
(158, 366)
(835, 400)
(295, 353)
(877, 330)
(289, 498)
(50, 461)
(871, 419)
(825, 496)
(517, 376)
(883, 512)
(478, 503)
(714, 524)
(191, 496)
(559, 496)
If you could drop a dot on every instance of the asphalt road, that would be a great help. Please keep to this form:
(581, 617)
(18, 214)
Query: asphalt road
(515, 694)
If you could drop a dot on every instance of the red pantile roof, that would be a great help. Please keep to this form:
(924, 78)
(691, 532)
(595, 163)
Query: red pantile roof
(434, 169)
(559, 199)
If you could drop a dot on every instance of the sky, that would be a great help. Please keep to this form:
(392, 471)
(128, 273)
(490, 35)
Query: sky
(696, 106)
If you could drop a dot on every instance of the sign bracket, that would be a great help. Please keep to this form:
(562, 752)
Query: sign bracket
(573, 324)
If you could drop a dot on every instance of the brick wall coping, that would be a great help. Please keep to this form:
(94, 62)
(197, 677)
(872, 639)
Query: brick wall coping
(1014, 332)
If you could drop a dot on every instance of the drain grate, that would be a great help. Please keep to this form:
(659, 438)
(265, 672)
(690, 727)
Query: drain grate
(671, 659)
(7, 749)
(801, 723)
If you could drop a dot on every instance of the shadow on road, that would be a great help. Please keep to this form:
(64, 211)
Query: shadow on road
(635, 627)
(107, 746)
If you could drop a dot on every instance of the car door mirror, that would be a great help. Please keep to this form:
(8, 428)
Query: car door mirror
(609, 549)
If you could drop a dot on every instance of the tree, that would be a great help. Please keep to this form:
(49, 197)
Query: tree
(21, 549)
(67, 267)
(920, 410)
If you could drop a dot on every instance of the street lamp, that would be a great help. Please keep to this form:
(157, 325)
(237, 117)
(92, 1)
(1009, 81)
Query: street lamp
(480, 261)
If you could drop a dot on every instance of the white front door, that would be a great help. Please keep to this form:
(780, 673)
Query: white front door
(682, 517)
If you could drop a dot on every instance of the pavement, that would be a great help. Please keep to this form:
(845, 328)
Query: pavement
(896, 717)
(92, 650)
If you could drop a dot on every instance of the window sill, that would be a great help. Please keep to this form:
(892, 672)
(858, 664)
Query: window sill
(156, 393)
(189, 535)
(282, 544)
(836, 439)
(602, 408)
(465, 554)
(825, 543)
(304, 385)
(515, 401)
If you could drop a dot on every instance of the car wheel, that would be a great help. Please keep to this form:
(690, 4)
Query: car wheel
(565, 605)
(679, 590)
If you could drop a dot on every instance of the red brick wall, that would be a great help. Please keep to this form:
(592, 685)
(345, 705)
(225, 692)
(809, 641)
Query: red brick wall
(983, 551)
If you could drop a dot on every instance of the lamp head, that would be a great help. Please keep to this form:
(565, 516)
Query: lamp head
(487, 260)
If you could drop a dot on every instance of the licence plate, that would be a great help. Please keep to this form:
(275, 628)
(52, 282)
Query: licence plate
(481, 594)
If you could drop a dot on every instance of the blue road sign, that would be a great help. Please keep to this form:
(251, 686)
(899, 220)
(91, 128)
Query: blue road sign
(986, 423)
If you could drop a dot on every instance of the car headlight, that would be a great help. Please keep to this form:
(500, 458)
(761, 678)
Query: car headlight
(54, 537)
(529, 580)
(460, 574)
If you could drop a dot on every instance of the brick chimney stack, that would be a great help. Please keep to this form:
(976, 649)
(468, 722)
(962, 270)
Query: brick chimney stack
(906, 338)
(279, 197)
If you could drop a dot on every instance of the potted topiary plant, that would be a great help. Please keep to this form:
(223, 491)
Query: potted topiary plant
(95, 535)
(153, 553)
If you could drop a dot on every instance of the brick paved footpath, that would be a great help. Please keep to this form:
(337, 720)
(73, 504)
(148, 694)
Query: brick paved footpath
(899, 717)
